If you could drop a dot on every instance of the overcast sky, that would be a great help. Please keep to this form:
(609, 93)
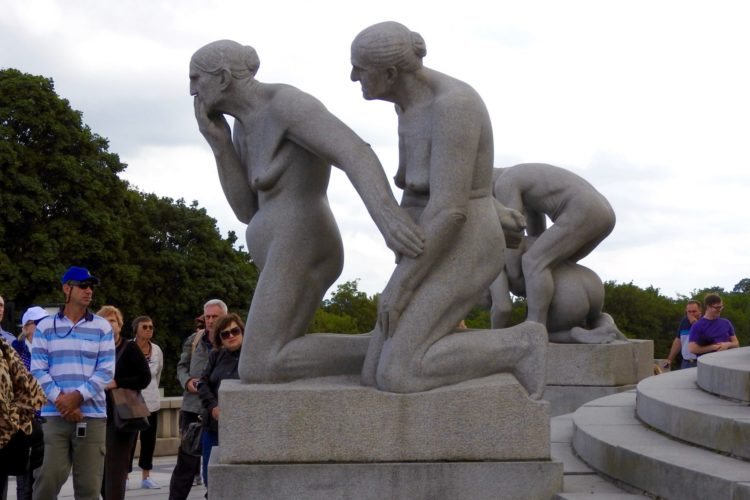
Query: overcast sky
(648, 100)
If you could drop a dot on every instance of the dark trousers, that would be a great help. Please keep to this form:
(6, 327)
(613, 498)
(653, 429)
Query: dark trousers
(187, 465)
(148, 443)
(25, 486)
(116, 462)
(25, 483)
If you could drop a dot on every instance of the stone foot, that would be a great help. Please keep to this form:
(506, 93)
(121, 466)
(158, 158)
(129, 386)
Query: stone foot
(600, 335)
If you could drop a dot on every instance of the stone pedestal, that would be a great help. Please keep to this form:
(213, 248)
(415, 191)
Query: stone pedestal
(579, 373)
(332, 438)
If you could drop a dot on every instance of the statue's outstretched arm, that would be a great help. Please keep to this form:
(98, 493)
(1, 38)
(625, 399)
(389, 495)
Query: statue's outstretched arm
(313, 127)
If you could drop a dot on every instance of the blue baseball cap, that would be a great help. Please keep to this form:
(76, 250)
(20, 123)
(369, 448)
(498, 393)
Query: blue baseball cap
(78, 275)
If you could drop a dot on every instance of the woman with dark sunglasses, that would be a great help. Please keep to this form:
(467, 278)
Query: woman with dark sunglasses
(222, 365)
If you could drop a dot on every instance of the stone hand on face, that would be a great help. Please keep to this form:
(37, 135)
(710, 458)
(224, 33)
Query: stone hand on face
(203, 86)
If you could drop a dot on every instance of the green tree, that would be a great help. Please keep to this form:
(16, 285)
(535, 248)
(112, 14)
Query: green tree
(62, 203)
(347, 300)
(643, 313)
(743, 286)
(348, 310)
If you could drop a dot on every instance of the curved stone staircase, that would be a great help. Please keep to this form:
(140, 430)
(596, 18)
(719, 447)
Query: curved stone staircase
(682, 435)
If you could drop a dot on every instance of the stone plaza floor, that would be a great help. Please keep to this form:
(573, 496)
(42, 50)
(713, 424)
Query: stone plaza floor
(161, 473)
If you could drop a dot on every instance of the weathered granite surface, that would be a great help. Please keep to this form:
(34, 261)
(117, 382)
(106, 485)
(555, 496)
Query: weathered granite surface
(564, 399)
(445, 170)
(564, 296)
(274, 164)
(393, 481)
(609, 437)
(673, 404)
(582, 217)
(726, 373)
(615, 364)
(335, 419)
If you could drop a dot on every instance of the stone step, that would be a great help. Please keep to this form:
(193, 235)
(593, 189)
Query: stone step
(609, 438)
(674, 404)
(726, 373)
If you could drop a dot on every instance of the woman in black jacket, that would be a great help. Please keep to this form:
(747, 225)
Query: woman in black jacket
(222, 365)
(131, 372)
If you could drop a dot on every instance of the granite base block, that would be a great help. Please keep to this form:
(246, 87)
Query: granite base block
(335, 419)
(615, 364)
(409, 481)
(567, 399)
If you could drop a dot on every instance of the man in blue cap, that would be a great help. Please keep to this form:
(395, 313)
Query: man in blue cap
(73, 358)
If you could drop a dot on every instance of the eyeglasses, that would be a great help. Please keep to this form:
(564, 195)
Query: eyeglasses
(234, 332)
(84, 286)
(718, 307)
(147, 327)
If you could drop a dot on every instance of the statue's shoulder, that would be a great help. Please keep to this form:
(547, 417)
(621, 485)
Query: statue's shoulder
(287, 100)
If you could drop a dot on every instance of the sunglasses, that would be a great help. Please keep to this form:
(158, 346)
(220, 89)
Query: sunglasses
(84, 286)
(231, 333)
(147, 327)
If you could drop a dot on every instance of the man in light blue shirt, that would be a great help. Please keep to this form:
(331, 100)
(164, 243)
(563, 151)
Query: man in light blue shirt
(73, 359)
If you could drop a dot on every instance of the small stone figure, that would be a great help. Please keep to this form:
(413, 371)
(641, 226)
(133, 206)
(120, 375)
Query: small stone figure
(445, 169)
(560, 293)
(274, 167)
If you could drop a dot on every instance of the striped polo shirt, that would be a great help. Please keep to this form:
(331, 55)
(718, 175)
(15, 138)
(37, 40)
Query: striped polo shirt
(67, 357)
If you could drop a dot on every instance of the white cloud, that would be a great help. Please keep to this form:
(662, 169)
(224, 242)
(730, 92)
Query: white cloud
(647, 100)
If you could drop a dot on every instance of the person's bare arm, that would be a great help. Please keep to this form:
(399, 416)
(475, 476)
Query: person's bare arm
(702, 349)
(676, 347)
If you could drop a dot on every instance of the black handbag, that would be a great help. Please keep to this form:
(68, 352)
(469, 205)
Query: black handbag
(191, 440)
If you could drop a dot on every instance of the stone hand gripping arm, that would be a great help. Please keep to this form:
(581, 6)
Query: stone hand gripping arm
(232, 175)
(312, 126)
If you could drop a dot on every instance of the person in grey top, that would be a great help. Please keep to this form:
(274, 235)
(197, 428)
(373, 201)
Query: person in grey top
(193, 360)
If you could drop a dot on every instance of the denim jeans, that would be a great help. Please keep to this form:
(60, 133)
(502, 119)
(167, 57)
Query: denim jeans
(209, 439)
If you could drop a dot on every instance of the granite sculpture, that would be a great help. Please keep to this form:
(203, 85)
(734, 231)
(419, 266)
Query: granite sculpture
(445, 169)
(564, 295)
(274, 167)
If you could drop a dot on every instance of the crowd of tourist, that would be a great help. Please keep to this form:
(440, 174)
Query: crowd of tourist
(61, 399)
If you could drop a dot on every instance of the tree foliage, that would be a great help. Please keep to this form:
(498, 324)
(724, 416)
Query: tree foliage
(62, 203)
(347, 311)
